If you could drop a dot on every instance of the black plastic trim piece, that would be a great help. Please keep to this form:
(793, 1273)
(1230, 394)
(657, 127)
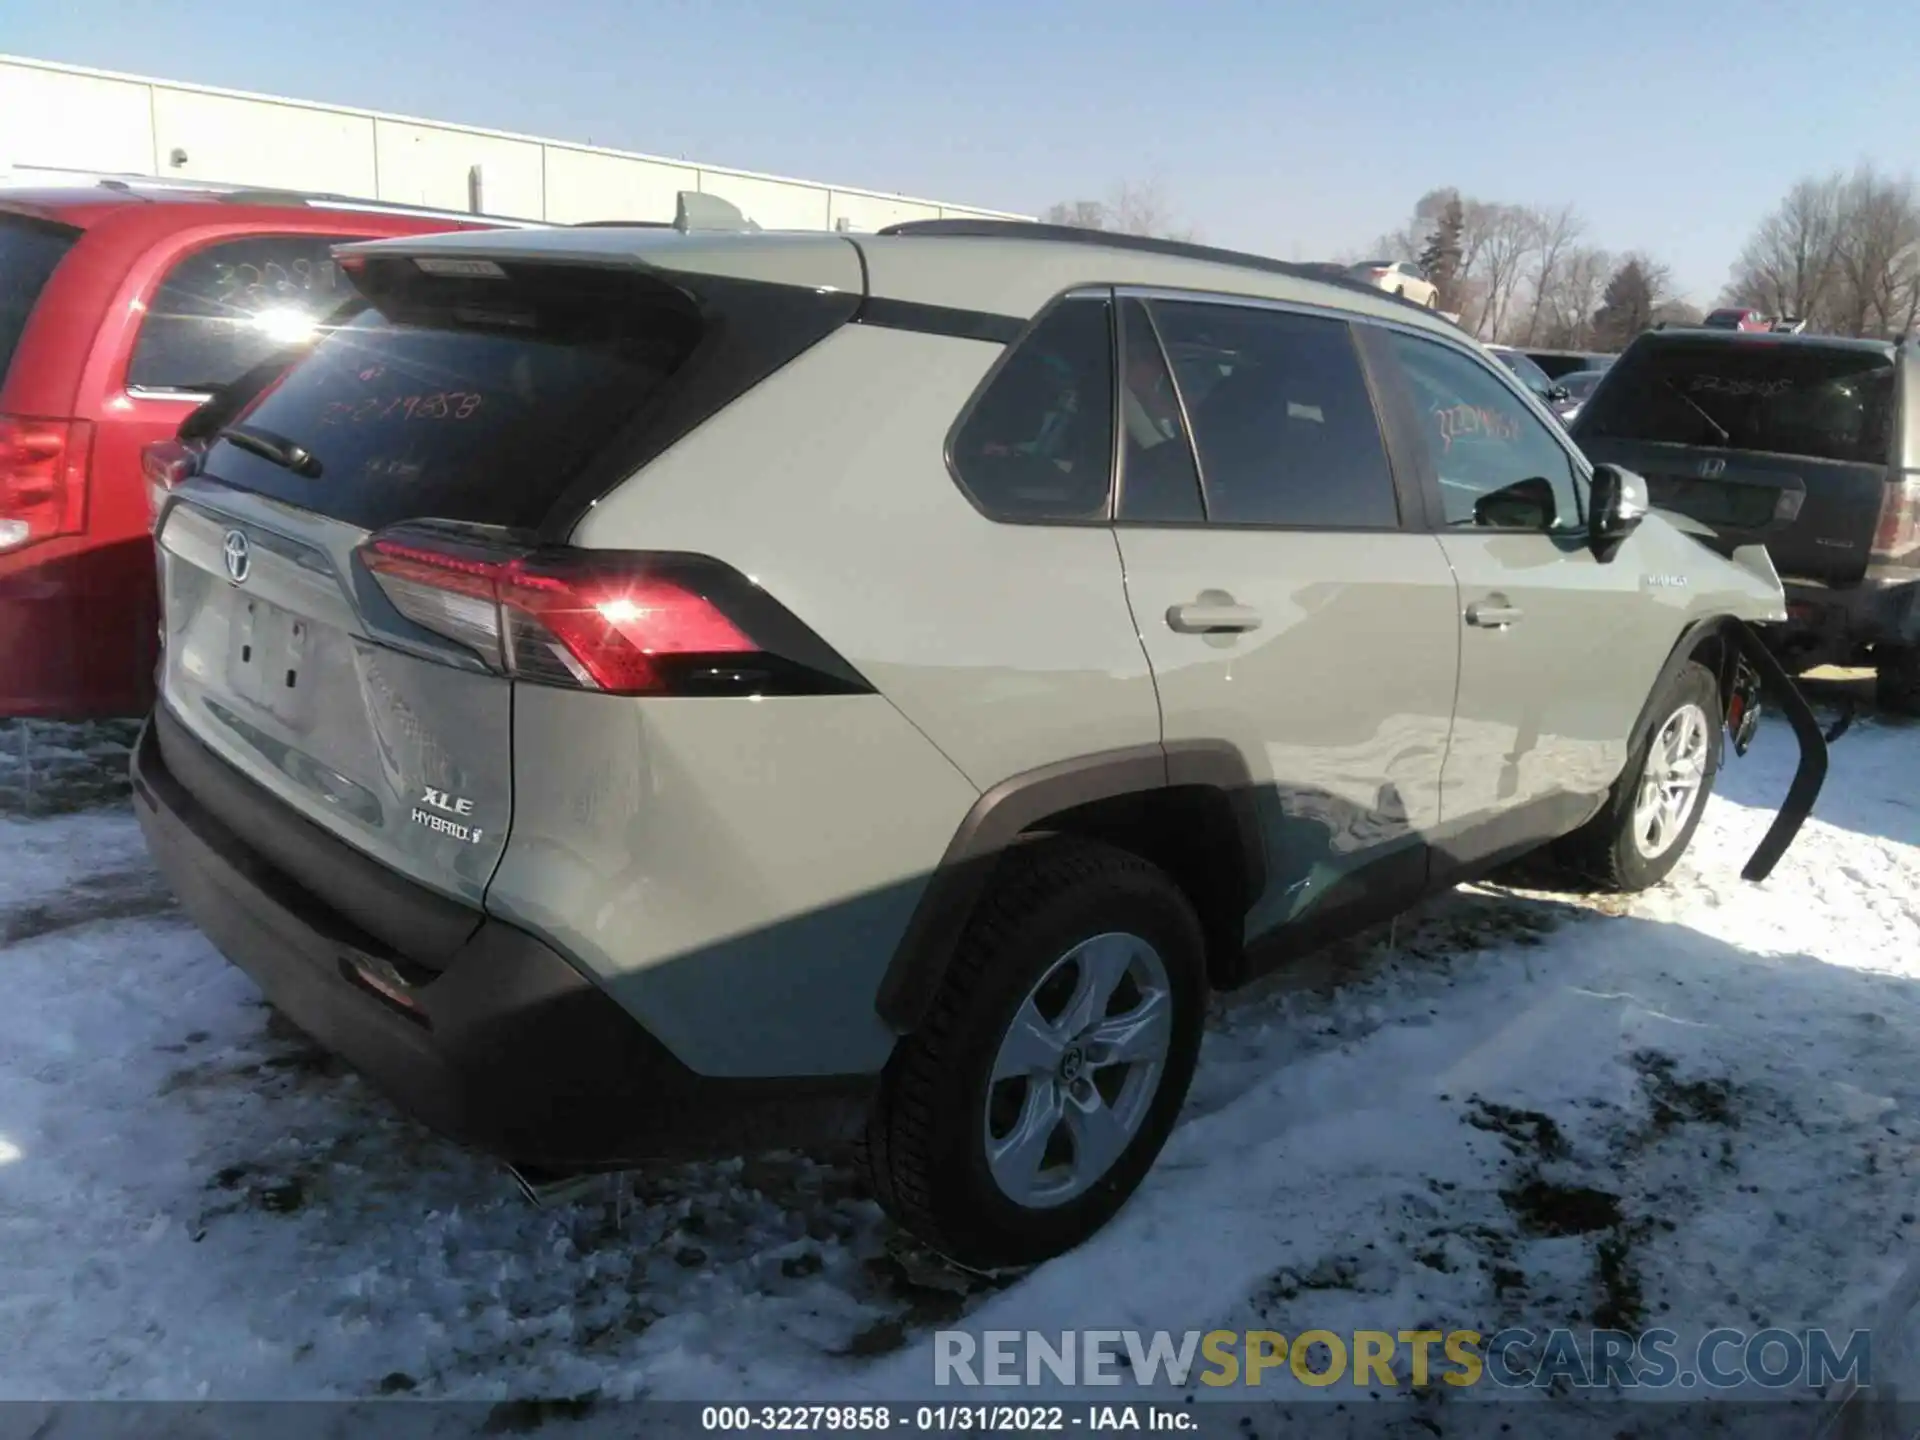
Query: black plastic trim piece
(886, 314)
(1016, 805)
(1808, 776)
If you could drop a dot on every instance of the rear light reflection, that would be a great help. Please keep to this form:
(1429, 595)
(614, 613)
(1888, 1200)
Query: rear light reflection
(166, 464)
(1896, 539)
(43, 478)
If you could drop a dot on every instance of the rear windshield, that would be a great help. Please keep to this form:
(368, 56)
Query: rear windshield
(468, 400)
(1784, 399)
(30, 250)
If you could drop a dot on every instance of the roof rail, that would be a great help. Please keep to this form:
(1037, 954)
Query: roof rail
(228, 193)
(1146, 244)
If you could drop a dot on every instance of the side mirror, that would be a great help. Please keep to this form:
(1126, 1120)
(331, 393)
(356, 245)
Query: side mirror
(1557, 393)
(1616, 504)
(1523, 505)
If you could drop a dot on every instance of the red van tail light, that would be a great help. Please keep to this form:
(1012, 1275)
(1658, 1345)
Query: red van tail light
(166, 464)
(618, 622)
(43, 478)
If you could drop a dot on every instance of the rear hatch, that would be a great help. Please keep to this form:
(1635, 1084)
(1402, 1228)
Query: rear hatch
(486, 398)
(1783, 443)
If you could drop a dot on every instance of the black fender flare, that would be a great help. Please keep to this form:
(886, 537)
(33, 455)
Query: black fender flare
(1776, 685)
(1007, 811)
(1808, 776)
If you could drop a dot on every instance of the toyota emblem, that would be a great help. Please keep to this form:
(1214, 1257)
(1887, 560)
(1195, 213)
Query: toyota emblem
(238, 555)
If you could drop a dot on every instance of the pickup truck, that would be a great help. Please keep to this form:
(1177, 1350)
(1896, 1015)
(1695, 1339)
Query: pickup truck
(1808, 444)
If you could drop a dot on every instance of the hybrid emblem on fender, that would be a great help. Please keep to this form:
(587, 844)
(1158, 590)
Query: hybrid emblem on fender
(238, 555)
(434, 808)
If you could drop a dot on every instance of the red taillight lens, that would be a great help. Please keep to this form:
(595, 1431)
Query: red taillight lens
(1896, 540)
(43, 478)
(165, 464)
(617, 623)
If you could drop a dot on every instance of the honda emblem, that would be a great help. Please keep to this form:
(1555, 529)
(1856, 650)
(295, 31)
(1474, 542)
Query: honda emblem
(1712, 469)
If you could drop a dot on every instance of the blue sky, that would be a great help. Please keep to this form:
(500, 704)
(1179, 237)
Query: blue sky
(1297, 130)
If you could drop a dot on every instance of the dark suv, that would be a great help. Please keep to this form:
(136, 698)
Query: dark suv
(1809, 444)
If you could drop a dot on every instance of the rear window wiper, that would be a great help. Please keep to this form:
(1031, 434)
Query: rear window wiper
(287, 454)
(1726, 437)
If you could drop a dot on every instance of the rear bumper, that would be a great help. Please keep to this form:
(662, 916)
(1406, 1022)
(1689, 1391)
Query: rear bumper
(508, 1048)
(1883, 609)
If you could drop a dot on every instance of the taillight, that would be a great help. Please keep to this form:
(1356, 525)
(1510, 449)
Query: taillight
(165, 464)
(43, 478)
(1896, 540)
(611, 621)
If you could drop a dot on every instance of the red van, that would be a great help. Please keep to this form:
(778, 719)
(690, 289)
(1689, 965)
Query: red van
(123, 307)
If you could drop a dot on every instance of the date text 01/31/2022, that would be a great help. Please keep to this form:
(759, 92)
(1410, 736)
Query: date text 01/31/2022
(947, 1419)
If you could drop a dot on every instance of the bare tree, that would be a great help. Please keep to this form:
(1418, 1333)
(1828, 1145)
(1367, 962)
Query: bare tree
(1080, 214)
(1133, 208)
(1509, 232)
(1554, 233)
(1790, 266)
(1878, 253)
(1579, 283)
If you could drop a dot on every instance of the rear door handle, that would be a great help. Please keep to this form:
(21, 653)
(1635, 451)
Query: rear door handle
(1492, 613)
(1212, 617)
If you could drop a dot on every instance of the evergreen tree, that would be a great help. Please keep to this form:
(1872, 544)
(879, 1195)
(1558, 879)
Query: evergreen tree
(1442, 257)
(1626, 308)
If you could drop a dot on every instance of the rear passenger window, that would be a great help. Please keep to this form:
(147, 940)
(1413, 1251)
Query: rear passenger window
(224, 309)
(1159, 483)
(1499, 466)
(1038, 443)
(1282, 417)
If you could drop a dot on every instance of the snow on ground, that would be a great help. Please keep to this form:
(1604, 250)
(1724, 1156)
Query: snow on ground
(1696, 1108)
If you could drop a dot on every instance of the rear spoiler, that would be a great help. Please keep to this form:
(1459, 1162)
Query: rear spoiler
(1808, 776)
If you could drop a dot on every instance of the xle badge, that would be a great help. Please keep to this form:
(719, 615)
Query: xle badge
(434, 809)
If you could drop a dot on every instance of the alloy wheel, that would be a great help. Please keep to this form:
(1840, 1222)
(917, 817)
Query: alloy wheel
(1077, 1070)
(1671, 782)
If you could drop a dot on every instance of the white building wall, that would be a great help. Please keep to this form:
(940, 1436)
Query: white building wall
(79, 122)
(63, 118)
(429, 165)
(594, 185)
(255, 142)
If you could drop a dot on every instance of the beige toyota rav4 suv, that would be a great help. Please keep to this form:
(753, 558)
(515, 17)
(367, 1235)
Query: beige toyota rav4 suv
(634, 691)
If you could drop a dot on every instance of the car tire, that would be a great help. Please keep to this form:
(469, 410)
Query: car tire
(1636, 840)
(943, 1145)
(1896, 685)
